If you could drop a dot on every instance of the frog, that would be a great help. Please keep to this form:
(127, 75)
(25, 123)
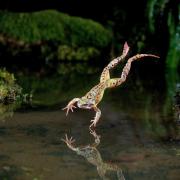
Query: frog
(93, 156)
(93, 97)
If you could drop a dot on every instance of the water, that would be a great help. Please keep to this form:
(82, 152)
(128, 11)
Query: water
(138, 133)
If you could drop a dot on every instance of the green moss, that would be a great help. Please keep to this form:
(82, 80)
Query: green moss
(51, 25)
(3, 92)
(9, 90)
(161, 9)
(172, 60)
(82, 53)
(154, 8)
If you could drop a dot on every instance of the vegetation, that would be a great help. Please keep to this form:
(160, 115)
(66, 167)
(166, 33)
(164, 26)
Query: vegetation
(51, 25)
(164, 24)
(172, 60)
(66, 52)
(10, 91)
(154, 7)
(65, 37)
(162, 12)
(68, 37)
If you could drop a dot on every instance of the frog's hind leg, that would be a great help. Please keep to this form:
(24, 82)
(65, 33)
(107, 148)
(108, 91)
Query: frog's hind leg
(105, 74)
(118, 81)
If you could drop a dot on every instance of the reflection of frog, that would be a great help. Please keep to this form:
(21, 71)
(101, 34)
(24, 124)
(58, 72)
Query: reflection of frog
(94, 96)
(93, 156)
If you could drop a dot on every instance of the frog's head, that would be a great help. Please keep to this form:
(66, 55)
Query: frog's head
(85, 103)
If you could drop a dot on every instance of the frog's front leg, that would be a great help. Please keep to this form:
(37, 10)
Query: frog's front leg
(71, 105)
(96, 118)
(69, 142)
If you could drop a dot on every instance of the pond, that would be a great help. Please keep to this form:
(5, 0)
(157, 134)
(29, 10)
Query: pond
(137, 136)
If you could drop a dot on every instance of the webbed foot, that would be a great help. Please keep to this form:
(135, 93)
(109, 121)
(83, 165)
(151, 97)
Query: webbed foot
(69, 107)
(69, 142)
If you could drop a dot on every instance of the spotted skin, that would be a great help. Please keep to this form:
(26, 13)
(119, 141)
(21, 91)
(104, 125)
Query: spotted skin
(111, 83)
(95, 95)
(93, 156)
(105, 73)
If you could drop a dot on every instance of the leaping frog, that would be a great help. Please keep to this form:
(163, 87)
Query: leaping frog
(94, 96)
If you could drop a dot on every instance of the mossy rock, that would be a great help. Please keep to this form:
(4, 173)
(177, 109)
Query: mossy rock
(10, 91)
(51, 25)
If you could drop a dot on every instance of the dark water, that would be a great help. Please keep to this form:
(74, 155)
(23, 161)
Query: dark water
(138, 129)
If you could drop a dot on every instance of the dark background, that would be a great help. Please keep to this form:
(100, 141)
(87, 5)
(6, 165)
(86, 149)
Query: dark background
(127, 20)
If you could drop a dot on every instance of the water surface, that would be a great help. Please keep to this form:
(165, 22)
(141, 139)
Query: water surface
(138, 129)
